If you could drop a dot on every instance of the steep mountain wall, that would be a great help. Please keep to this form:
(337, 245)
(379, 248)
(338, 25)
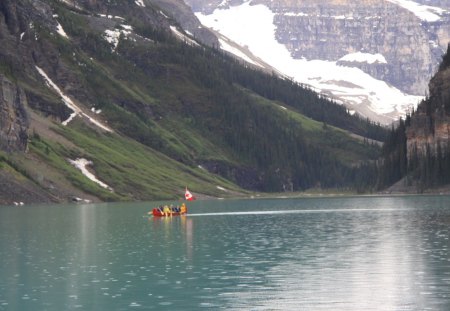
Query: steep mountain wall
(410, 46)
(427, 134)
(430, 125)
(13, 117)
(338, 28)
(183, 15)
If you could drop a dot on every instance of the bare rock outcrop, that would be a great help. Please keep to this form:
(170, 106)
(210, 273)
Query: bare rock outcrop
(429, 131)
(411, 46)
(13, 117)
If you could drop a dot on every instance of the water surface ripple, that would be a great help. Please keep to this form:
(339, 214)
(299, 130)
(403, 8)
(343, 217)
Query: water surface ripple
(356, 253)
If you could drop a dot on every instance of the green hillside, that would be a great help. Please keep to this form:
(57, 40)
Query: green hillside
(181, 113)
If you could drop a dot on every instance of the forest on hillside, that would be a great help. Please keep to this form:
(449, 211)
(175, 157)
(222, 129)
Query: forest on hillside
(194, 104)
(423, 166)
(211, 92)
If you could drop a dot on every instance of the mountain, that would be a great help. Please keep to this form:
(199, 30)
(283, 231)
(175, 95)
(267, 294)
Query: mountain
(374, 56)
(417, 153)
(107, 101)
(428, 133)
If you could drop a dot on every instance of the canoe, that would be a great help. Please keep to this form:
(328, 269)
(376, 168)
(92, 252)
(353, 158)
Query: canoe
(174, 211)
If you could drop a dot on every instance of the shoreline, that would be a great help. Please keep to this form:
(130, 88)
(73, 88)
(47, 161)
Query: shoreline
(442, 191)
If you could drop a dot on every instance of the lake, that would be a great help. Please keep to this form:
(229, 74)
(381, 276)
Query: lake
(343, 253)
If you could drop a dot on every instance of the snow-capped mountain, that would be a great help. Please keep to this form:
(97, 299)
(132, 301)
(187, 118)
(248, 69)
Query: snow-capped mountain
(374, 56)
(120, 100)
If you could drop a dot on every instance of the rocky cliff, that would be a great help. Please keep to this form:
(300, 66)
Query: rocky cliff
(399, 44)
(429, 130)
(13, 117)
(332, 30)
(426, 134)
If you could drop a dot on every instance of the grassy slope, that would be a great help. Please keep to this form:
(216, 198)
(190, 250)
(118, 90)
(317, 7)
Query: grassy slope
(164, 93)
(138, 172)
(335, 140)
(134, 171)
(158, 139)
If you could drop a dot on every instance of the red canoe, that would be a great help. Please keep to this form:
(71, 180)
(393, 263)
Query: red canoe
(169, 211)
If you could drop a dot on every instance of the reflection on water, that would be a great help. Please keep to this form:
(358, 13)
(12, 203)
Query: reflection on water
(305, 254)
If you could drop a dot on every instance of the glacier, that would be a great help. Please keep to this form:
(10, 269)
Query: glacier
(351, 86)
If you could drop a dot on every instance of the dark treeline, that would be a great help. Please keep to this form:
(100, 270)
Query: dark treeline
(431, 169)
(424, 169)
(393, 164)
(208, 91)
(286, 91)
(277, 148)
(304, 100)
(284, 156)
(213, 67)
(373, 176)
(425, 166)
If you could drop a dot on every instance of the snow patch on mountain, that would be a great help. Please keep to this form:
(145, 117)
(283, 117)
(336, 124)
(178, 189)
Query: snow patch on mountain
(59, 28)
(69, 103)
(111, 17)
(347, 85)
(61, 31)
(183, 37)
(360, 57)
(113, 36)
(71, 4)
(162, 13)
(140, 3)
(424, 12)
(337, 17)
(82, 164)
(235, 51)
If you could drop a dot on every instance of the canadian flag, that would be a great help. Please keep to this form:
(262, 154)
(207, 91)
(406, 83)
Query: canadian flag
(188, 195)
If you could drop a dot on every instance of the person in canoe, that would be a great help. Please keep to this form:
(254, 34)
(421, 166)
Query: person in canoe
(167, 210)
(183, 209)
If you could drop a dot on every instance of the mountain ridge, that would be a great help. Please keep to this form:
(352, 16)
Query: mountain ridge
(147, 109)
(416, 156)
(410, 41)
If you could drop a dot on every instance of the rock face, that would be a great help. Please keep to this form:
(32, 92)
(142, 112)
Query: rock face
(13, 117)
(406, 42)
(183, 14)
(430, 125)
(426, 134)
(374, 57)
(332, 31)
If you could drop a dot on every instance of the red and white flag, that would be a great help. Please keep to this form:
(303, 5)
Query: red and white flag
(188, 195)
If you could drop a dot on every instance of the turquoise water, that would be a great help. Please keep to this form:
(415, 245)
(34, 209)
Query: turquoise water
(365, 253)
